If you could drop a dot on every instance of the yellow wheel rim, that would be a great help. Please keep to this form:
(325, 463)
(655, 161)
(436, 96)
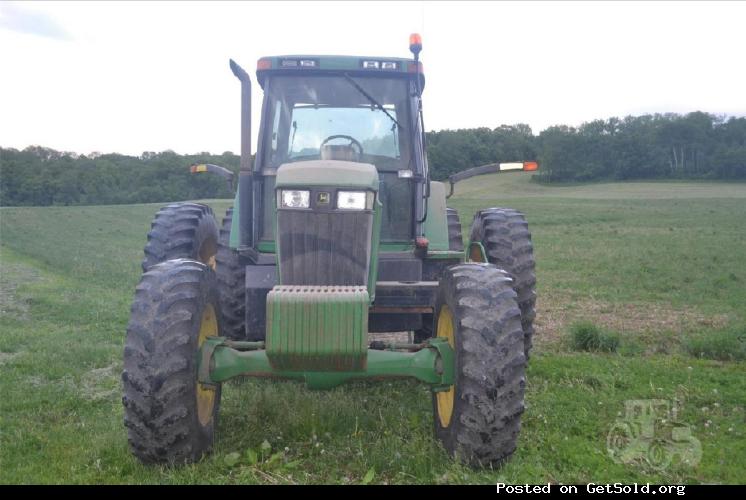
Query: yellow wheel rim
(445, 399)
(206, 394)
(475, 254)
(207, 253)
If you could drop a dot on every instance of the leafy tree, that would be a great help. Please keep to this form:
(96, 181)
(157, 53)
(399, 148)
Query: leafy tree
(695, 145)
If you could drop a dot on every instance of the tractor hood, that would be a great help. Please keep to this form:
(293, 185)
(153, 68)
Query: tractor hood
(328, 173)
(321, 244)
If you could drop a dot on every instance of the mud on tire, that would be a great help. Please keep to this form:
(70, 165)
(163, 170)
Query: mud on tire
(506, 239)
(231, 274)
(161, 394)
(182, 231)
(488, 397)
(455, 239)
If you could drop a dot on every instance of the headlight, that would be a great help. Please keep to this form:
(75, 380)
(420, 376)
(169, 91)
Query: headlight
(294, 199)
(351, 200)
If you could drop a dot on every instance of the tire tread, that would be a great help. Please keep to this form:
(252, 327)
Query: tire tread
(159, 376)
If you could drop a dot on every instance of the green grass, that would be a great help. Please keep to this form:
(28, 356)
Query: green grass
(660, 264)
(727, 344)
(585, 336)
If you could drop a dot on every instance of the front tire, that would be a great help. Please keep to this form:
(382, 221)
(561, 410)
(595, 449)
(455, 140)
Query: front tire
(170, 416)
(478, 420)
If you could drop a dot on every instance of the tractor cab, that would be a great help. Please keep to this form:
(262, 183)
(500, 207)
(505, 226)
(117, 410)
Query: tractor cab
(320, 111)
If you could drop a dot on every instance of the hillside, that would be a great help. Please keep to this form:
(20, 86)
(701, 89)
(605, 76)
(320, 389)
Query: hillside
(659, 267)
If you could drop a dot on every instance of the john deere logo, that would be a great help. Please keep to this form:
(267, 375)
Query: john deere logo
(649, 432)
(323, 199)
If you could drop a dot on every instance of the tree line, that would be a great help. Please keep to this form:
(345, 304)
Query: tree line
(43, 176)
(661, 146)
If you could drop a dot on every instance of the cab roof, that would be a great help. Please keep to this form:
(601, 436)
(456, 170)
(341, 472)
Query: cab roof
(372, 65)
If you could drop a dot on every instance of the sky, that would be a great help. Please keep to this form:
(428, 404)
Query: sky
(130, 77)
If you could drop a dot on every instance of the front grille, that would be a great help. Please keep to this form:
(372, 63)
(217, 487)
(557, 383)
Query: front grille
(324, 247)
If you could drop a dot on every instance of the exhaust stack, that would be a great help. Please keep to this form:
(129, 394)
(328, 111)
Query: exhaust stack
(244, 176)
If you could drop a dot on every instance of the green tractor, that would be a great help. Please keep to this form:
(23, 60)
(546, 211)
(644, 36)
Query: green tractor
(337, 233)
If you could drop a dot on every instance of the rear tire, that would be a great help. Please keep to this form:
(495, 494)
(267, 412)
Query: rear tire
(478, 420)
(455, 244)
(231, 275)
(170, 417)
(455, 239)
(504, 234)
(182, 231)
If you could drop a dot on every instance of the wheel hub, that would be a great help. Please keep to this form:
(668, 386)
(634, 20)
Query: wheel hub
(445, 399)
(206, 394)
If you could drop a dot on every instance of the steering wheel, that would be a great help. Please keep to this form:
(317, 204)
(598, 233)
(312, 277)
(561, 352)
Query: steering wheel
(352, 140)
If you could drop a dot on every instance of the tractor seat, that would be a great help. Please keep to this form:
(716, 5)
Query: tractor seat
(342, 152)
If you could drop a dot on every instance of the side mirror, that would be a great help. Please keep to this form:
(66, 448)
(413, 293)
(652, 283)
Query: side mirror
(492, 168)
(214, 169)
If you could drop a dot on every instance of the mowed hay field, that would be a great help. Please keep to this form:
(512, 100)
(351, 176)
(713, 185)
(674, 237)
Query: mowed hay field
(656, 271)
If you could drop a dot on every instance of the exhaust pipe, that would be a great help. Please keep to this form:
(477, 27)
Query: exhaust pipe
(245, 191)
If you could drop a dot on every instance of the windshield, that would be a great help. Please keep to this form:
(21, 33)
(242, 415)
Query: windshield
(364, 119)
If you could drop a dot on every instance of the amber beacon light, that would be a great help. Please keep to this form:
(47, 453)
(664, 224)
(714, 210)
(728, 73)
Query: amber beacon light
(415, 43)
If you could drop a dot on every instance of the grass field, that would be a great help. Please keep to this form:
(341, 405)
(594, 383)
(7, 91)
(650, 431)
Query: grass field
(661, 267)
